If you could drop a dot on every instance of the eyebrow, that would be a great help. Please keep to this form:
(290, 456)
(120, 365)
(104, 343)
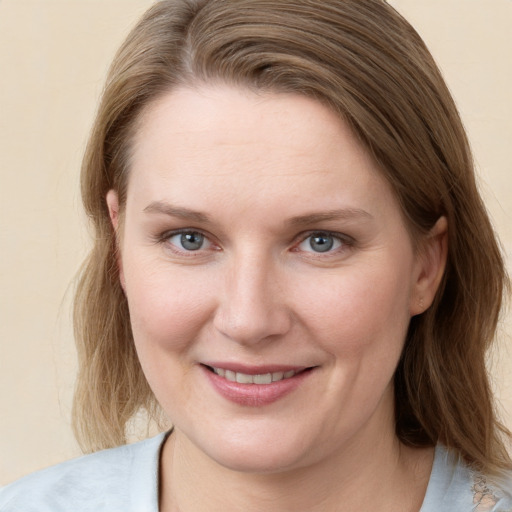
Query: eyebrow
(342, 214)
(176, 211)
(161, 207)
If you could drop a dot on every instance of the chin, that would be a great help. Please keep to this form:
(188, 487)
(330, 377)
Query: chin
(257, 453)
(254, 461)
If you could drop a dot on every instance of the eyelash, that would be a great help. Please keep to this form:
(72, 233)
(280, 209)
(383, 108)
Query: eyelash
(165, 237)
(345, 242)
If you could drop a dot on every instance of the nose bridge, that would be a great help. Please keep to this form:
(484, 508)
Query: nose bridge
(252, 308)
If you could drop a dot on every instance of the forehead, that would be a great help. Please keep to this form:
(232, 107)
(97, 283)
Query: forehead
(229, 143)
(224, 117)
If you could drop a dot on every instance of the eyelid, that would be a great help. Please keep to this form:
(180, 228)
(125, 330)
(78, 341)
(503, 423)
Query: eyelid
(164, 238)
(346, 241)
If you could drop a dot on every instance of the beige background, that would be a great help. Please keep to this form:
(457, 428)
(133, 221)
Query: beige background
(53, 58)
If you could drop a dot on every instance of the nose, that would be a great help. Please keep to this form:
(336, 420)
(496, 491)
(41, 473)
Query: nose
(252, 308)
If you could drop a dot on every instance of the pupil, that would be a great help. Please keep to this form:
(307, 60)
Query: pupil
(321, 243)
(192, 241)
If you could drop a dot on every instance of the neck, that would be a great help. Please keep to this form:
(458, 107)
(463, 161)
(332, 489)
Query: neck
(381, 474)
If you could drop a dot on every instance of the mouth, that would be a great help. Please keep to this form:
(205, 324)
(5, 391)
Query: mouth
(255, 386)
(255, 378)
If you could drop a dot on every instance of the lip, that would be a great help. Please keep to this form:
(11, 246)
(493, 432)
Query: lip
(255, 395)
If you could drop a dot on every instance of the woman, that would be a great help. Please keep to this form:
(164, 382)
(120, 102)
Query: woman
(292, 260)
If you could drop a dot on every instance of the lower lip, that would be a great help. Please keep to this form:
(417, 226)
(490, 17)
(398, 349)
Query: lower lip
(255, 395)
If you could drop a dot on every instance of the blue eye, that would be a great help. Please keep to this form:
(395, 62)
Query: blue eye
(189, 241)
(320, 242)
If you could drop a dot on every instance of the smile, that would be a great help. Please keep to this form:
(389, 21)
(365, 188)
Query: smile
(262, 378)
(255, 386)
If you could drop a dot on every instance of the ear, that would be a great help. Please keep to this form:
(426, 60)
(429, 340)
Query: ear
(113, 208)
(112, 200)
(431, 263)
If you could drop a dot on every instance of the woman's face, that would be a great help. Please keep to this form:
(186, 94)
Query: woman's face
(261, 245)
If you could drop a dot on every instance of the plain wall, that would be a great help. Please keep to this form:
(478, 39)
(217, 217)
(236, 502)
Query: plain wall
(53, 58)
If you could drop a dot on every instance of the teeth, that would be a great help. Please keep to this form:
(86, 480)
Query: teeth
(279, 376)
(266, 378)
(244, 378)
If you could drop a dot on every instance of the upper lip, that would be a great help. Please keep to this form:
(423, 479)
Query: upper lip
(254, 369)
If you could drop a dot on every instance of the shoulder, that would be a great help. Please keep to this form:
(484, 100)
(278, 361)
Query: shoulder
(108, 480)
(455, 487)
(491, 496)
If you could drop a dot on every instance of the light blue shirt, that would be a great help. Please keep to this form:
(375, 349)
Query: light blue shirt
(125, 479)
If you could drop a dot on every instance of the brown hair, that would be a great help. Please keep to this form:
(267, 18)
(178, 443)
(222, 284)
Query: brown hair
(364, 61)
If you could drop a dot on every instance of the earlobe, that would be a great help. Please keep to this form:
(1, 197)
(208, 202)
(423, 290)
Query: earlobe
(432, 258)
(112, 200)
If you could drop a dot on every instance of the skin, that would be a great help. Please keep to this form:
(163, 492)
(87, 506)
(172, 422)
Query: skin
(262, 173)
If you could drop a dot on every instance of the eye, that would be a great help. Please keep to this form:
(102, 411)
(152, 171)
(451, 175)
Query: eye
(189, 241)
(320, 242)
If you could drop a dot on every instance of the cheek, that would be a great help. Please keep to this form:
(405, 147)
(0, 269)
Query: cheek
(167, 308)
(168, 311)
(355, 311)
